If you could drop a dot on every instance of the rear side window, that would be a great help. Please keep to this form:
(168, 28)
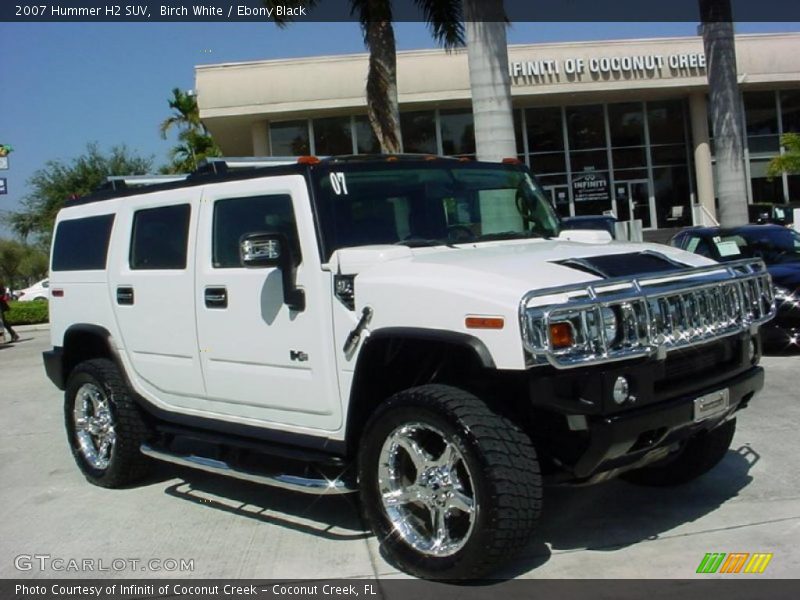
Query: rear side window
(234, 217)
(82, 244)
(160, 236)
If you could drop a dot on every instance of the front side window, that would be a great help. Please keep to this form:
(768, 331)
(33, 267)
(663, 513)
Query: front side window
(160, 238)
(235, 217)
(427, 205)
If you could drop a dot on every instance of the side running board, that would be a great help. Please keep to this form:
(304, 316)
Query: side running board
(287, 482)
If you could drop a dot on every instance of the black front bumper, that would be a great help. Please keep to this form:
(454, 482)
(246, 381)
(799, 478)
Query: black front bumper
(630, 438)
(585, 435)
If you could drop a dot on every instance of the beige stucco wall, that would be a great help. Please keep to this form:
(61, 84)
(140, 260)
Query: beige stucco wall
(237, 98)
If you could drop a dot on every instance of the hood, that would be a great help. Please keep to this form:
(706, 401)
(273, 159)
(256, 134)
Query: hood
(506, 268)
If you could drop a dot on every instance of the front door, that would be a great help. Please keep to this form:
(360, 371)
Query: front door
(634, 201)
(262, 360)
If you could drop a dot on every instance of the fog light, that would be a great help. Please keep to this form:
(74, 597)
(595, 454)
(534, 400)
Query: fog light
(621, 390)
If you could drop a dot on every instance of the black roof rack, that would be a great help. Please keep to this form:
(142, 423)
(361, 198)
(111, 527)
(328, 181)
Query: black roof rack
(221, 168)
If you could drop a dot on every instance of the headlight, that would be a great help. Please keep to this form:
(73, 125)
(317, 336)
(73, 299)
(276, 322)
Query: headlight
(781, 293)
(610, 326)
(583, 329)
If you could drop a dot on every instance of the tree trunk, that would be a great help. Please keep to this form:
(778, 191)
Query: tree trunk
(725, 106)
(490, 82)
(382, 106)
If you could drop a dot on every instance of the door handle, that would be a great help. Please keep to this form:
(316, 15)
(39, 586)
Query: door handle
(216, 297)
(125, 295)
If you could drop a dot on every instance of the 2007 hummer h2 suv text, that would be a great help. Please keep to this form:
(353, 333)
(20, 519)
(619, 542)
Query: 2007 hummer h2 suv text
(413, 329)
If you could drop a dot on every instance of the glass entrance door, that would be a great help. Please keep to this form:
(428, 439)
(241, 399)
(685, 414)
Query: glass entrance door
(634, 201)
(559, 198)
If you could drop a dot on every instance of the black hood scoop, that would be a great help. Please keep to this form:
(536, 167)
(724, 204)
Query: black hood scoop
(623, 265)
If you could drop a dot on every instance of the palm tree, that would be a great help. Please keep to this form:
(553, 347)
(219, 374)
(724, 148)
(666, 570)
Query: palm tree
(446, 26)
(196, 142)
(487, 53)
(725, 107)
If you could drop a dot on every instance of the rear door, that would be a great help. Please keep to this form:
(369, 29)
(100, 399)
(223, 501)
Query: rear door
(152, 290)
(260, 359)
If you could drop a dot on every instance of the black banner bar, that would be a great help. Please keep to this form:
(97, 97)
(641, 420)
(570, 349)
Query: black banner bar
(734, 587)
(403, 10)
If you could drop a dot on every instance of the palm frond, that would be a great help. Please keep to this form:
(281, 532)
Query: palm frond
(445, 20)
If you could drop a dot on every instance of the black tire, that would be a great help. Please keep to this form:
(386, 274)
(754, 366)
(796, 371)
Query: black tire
(699, 454)
(503, 473)
(125, 463)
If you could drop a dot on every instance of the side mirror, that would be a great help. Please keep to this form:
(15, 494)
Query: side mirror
(262, 249)
(273, 250)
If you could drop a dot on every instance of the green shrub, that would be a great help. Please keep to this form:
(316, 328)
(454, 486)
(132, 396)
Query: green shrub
(27, 313)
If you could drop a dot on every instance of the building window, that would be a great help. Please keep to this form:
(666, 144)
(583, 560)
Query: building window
(761, 116)
(366, 142)
(419, 132)
(586, 127)
(790, 111)
(794, 188)
(289, 138)
(333, 136)
(458, 132)
(82, 244)
(544, 129)
(665, 122)
(159, 238)
(234, 217)
(672, 193)
(626, 124)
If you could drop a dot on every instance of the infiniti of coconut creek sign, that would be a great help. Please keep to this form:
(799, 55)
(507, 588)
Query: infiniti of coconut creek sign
(594, 68)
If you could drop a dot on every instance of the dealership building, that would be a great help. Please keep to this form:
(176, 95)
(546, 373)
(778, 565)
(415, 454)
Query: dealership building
(616, 126)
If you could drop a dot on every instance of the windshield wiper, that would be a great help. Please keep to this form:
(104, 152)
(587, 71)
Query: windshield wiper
(506, 235)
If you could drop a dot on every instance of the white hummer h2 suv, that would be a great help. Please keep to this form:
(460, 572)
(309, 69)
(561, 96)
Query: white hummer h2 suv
(413, 329)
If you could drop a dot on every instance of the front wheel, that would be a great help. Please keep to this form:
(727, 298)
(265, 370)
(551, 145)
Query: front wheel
(699, 454)
(450, 487)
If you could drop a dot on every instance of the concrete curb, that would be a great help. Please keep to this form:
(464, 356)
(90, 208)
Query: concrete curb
(37, 327)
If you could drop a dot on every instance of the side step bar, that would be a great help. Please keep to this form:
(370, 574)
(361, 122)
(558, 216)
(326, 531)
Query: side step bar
(287, 482)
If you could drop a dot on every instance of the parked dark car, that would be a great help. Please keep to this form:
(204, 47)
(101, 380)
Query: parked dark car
(602, 222)
(779, 247)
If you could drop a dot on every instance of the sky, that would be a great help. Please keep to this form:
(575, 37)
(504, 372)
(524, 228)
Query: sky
(64, 85)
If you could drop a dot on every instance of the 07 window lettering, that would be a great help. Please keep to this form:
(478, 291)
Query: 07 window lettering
(338, 183)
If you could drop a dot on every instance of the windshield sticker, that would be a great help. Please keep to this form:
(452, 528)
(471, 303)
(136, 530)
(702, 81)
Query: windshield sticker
(338, 183)
(728, 249)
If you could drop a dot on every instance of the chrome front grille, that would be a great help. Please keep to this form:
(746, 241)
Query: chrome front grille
(653, 313)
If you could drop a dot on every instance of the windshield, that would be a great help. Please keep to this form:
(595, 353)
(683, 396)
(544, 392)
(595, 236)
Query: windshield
(432, 204)
(773, 245)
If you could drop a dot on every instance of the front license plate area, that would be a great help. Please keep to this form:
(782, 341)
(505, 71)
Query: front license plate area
(711, 405)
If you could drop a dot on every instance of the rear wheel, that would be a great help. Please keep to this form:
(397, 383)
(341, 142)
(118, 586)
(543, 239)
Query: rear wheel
(450, 487)
(699, 454)
(104, 426)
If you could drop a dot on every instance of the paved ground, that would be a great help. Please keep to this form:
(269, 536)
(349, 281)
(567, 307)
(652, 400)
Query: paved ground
(749, 503)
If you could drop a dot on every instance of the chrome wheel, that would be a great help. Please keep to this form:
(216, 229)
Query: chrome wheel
(94, 426)
(426, 489)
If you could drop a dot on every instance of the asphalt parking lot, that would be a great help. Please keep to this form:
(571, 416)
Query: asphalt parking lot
(232, 529)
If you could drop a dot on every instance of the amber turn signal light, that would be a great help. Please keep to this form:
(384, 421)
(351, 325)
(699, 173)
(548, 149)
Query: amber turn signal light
(484, 322)
(561, 335)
